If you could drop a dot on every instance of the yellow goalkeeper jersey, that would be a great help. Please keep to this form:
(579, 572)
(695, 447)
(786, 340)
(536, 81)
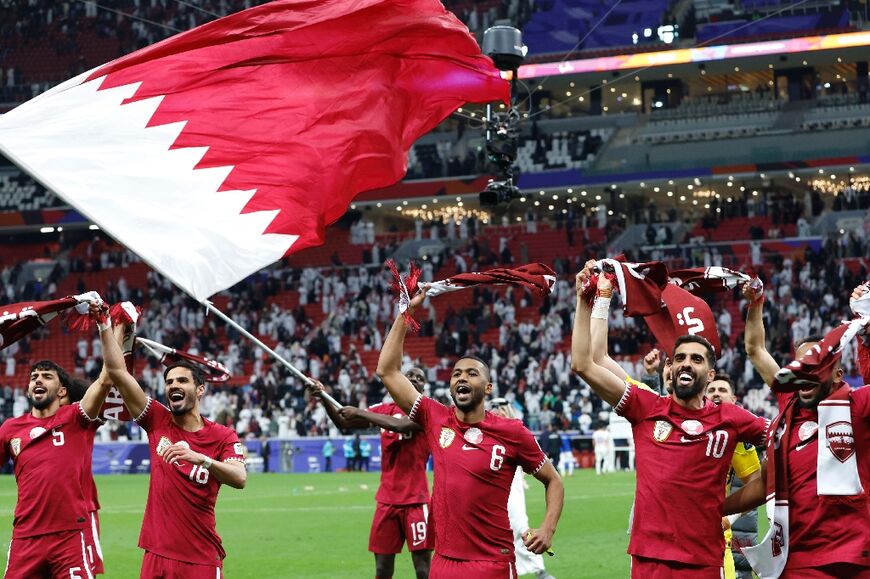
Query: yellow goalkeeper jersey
(743, 463)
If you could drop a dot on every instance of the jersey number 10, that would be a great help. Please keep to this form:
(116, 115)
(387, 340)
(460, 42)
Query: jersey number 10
(716, 443)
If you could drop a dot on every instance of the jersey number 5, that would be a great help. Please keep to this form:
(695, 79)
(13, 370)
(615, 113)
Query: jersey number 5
(56, 437)
(497, 457)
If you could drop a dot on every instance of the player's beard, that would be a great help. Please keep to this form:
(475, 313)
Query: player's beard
(474, 401)
(186, 406)
(44, 403)
(686, 392)
(823, 392)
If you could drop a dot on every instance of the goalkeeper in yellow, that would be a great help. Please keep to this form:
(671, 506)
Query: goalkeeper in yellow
(744, 463)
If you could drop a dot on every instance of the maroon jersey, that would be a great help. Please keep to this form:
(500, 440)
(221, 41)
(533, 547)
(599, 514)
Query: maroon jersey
(88, 485)
(826, 529)
(474, 469)
(47, 453)
(179, 520)
(403, 463)
(683, 457)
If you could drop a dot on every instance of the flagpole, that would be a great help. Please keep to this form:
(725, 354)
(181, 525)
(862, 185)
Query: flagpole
(308, 381)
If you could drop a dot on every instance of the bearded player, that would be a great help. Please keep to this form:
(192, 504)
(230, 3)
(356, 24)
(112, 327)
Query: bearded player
(683, 442)
(828, 531)
(47, 446)
(476, 454)
(191, 457)
(402, 513)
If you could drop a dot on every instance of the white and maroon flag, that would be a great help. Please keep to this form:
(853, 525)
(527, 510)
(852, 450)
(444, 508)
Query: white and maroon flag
(220, 150)
(213, 370)
(18, 320)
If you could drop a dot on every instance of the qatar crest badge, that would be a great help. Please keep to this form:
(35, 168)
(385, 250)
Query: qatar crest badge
(692, 427)
(473, 435)
(807, 430)
(662, 430)
(841, 440)
(15, 443)
(446, 438)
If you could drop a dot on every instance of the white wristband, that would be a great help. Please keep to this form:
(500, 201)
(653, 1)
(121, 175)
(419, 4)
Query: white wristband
(206, 463)
(733, 518)
(106, 326)
(601, 308)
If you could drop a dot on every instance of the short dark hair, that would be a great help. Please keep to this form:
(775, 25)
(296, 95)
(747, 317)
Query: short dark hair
(76, 390)
(695, 339)
(724, 378)
(196, 373)
(62, 376)
(478, 359)
(808, 339)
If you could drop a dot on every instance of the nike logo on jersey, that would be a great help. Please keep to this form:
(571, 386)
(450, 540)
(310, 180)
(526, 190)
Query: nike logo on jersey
(693, 439)
(415, 543)
(801, 446)
(466, 447)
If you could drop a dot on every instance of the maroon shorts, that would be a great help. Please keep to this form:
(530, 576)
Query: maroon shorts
(447, 568)
(53, 555)
(154, 566)
(393, 525)
(644, 568)
(93, 549)
(835, 571)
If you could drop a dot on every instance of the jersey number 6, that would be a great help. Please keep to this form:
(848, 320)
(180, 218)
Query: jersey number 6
(497, 457)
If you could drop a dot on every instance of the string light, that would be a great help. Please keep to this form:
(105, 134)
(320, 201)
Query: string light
(445, 214)
(858, 183)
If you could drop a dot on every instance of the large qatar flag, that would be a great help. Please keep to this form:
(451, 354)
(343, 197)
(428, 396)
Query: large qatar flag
(218, 151)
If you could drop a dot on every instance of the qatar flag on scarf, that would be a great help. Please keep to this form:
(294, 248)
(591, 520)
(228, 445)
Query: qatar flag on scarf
(18, 320)
(682, 313)
(702, 280)
(818, 363)
(534, 276)
(222, 149)
(639, 284)
(213, 370)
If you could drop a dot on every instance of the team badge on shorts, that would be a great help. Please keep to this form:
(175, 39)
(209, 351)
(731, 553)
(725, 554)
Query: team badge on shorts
(692, 427)
(446, 438)
(841, 440)
(162, 445)
(662, 430)
(36, 431)
(473, 435)
(15, 443)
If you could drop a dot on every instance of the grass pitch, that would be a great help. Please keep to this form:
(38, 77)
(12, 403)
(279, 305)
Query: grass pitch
(317, 526)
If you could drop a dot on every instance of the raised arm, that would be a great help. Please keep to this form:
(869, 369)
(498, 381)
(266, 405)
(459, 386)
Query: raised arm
(95, 395)
(599, 328)
(541, 539)
(403, 425)
(754, 339)
(390, 362)
(113, 361)
(604, 382)
(651, 376)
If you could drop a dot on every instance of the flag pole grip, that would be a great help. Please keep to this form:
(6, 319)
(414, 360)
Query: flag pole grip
(295, 371)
